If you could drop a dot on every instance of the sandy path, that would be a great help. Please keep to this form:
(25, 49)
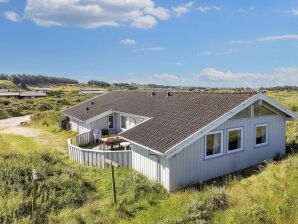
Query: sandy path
(11, 126)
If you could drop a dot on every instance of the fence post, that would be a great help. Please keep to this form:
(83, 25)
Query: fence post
(34, 190)
(112, 164)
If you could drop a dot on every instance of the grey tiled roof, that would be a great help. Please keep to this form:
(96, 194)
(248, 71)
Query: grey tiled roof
(173, 118)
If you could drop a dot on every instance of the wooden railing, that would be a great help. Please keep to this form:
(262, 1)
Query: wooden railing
(84, 138)
(97, 157)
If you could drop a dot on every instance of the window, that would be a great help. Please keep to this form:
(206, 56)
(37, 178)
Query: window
(132, 121)
(242, 114)
(261, 134)
(111, 121)
(235, 139)
(262, 111)
(213, 144)
(123, 121)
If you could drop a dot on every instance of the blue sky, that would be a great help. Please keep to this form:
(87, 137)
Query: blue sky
(192, 43)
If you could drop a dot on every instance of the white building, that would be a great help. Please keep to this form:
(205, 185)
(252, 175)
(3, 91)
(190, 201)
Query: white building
(183, 138)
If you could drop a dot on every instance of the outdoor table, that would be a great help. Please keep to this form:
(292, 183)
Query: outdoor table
(125, 145)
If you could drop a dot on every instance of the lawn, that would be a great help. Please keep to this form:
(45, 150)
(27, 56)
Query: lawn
(71, 193)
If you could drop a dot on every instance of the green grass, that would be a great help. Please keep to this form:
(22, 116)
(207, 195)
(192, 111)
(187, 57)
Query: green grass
(263, 194)
(58, 100)
(6, 84)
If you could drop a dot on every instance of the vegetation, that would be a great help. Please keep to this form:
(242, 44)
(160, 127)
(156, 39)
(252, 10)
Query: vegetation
(56, 100)
(24, 79)
(72, 193)
(98, 83)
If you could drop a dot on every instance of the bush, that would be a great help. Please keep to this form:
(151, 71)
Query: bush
(59, 187)
(218, 200)
(251, 214)
(44, 106)
(202, 211)
(143, 193)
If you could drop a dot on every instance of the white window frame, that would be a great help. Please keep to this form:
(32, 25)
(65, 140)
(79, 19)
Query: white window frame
(267, 135)
(111, 115)
(221, 144)
(122, 115)
(228, 137)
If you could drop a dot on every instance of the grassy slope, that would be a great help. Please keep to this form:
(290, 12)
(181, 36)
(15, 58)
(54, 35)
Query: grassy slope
(268, 195)
(6, 84)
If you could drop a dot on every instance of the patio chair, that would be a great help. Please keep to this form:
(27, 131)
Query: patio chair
(96, 135)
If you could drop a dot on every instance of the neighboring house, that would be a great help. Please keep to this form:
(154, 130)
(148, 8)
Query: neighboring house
(92, 91)
(23, 95)
(10, 94)
(3, 90)
(183, 138)
(41, 89)
(32, 94)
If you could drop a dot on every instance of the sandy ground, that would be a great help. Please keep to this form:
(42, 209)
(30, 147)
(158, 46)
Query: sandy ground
(11, 126)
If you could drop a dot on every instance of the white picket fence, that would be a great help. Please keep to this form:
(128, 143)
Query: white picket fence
(97, 157)
(84, 138)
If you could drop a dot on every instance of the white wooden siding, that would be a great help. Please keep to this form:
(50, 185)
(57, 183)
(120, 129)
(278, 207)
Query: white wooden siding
(153, 166)
(84, 138)
(101, 123)
(189, 166)
(97, 157)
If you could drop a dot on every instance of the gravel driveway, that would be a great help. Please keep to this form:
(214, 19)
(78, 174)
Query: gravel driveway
(11, 126)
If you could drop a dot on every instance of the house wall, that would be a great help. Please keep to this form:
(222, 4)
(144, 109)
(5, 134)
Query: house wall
(189, 166)
(150, 165)
(102, 123)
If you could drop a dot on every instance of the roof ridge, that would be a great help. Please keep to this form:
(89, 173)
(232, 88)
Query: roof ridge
(193, 92)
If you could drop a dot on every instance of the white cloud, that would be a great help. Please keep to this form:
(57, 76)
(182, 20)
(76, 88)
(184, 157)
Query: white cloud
(211, 77)
(281, 37)
(279, 76)
(293, 11)
(205, 9)
(12, 16)
(217, 53)
(95, 13)
(266, 38)
(144, 22)
(182, 9)
(158, 12)
(128, 42)
(150, 49)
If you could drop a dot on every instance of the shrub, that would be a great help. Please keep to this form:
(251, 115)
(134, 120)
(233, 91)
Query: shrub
(59, 186)
(251, 214)
(44, 106)
(202, 211)
(218, 200)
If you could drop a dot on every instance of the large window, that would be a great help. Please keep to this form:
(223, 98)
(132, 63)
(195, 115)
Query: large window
(261, 134)
(235, 140)
(111, 121)
(213, 144)
(132, 121)
(123, 121)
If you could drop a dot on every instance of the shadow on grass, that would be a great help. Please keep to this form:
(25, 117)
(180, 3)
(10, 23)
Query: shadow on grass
(291, 148)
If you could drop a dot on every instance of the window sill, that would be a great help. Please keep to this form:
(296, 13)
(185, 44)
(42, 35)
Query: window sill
(235, 151)
(261, 145)
(213, 156)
